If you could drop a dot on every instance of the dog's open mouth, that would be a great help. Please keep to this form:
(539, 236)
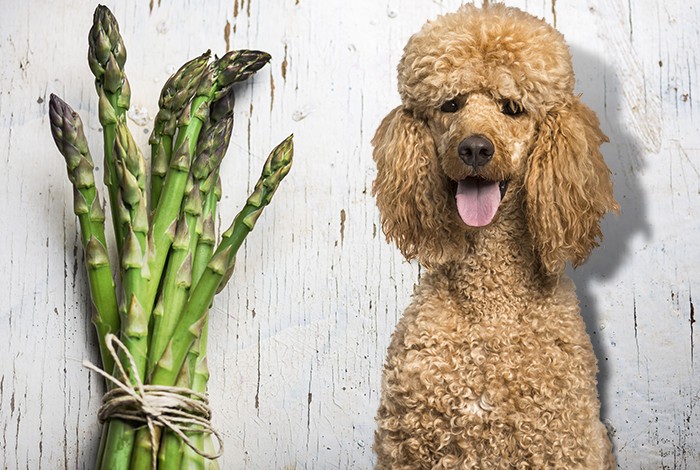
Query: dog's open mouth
(478, 200)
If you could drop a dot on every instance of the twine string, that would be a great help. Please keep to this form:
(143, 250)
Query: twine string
(178, 409)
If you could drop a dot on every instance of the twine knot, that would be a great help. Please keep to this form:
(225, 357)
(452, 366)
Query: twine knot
(178, 409)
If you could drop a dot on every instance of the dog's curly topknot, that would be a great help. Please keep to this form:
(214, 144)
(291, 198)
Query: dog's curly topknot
(478, 48)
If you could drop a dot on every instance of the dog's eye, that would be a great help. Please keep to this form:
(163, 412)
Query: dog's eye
(512, 108)
(450, 106)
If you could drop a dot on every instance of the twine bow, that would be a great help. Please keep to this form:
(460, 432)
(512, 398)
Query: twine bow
(178, 409)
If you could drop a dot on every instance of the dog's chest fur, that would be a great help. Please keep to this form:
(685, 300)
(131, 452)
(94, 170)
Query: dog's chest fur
(485, 363)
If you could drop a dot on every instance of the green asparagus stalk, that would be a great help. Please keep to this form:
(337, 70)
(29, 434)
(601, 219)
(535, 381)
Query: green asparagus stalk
(214, 87)
(170, 453)
(191, 322)
(131, 174)
(189, 327)
(222, 112)
(130, 169)
(178, 276)
(197, 362)
(211, 149)
(106, 57)
(232, 67)
(67, 132)
(207, 240)
(174, 449)
(177, 92)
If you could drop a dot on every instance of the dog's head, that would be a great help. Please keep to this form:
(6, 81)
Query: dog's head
(489, 125)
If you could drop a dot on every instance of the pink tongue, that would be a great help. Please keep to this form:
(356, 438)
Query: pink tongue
(477, 201)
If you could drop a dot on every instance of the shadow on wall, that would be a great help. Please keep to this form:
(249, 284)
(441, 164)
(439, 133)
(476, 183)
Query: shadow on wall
(602, 92)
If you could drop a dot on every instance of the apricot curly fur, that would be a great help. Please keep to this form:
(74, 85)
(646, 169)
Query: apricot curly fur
(490, 366)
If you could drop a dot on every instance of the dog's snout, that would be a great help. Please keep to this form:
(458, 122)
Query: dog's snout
(476, 151)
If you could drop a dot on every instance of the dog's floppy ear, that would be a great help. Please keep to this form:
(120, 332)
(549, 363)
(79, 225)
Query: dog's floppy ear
(406, 184)
(568, 186)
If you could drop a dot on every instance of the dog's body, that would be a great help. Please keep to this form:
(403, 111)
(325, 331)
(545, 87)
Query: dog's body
(490, 174)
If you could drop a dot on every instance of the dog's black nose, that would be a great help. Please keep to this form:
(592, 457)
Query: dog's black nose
(476, 151)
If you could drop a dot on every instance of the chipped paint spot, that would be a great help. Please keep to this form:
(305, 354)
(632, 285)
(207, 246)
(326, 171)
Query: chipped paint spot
(342, 225)
(272, 90)
(692, 328)
(636, 328)
(692, 312)
(554, 13)
(285, 62)
(235, 8)
(250, 118)
(227, 35)
(257, 388)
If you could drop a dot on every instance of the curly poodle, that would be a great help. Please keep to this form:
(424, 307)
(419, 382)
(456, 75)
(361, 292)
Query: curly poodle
(490, 175)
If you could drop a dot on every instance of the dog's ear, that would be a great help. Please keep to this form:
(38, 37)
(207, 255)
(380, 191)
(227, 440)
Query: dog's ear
(407, 186)
(568, 186)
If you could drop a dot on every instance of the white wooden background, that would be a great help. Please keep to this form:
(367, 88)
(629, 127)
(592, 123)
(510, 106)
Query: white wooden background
(298, 338)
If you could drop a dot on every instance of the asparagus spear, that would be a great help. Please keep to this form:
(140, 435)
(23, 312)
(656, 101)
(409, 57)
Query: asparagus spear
(200, 376)
(205, 249)
(215, 85)
(207, 240)
(175, 96)
(191, 322)
(211, 191)
(67, 132)
(173, 449)
(211, 149)
(178, 276)
(106, 57)
(189, 327)
(130, 169)
(233, 67)
(131, 174)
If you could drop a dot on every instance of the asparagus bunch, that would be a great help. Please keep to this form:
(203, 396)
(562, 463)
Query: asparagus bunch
(170, 264)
